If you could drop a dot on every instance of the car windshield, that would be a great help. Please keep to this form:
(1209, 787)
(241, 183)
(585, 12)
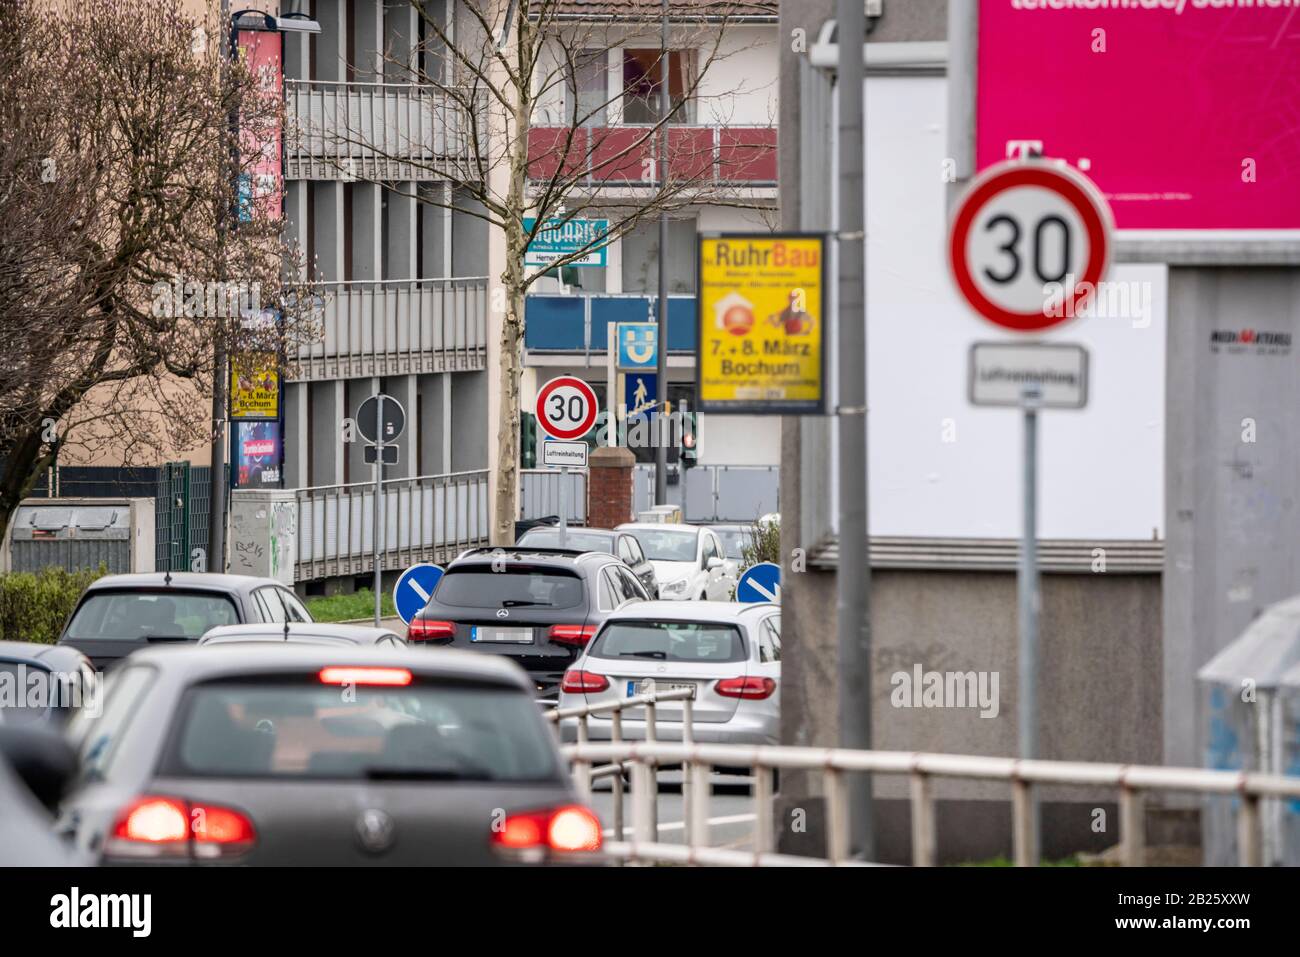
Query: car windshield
(734, 542)
(514, 586)
(666, 545)
(141, 615)
(304, 729)
(573, 538)
(669, 641)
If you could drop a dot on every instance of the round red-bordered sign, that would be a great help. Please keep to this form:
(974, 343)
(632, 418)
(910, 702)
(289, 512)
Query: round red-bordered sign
(1008, 191)
(566, 408)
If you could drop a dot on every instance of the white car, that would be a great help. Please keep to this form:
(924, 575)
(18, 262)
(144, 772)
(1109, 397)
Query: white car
(729, 653)
(689, 561)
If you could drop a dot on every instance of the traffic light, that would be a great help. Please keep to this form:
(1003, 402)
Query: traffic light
(690, 440)
(527, 440)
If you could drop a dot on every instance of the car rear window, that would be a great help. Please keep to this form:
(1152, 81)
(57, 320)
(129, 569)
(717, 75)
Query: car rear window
(669, 641)
(550, 538)
(666, 545)
(304, 729)
(514, 586)
(140, 615)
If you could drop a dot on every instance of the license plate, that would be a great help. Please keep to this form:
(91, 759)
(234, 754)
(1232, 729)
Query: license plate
(651, 685)
(523, 636)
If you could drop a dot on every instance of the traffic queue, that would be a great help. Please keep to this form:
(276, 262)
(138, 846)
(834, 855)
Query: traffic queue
(207, 719)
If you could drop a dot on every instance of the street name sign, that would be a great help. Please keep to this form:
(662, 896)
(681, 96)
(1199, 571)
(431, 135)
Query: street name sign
(558, 238)
(1000, 371)
(761, 323)
(1028, 244)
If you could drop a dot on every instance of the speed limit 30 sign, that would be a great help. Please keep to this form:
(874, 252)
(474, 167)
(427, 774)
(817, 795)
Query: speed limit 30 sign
(1028, 244)
(566, 408)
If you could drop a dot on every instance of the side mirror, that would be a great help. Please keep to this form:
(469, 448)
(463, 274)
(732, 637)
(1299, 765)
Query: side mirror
(714, 562)
(42, 759)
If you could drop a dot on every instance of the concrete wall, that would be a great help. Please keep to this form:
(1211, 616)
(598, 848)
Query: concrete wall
(1099, 689)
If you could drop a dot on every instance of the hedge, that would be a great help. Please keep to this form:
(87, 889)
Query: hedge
(33, 607)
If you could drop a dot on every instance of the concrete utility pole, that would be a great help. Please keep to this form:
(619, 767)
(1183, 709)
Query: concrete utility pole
(216, 557)
(853, 580)
(661, 367)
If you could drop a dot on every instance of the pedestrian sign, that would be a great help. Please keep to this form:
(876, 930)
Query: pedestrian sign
(761, 323)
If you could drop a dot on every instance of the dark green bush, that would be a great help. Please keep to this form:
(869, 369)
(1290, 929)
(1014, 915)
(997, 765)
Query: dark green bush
(33, 607)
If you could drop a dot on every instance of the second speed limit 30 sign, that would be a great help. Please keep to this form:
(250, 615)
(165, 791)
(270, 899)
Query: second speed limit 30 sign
(1029, 242)
(566, 408)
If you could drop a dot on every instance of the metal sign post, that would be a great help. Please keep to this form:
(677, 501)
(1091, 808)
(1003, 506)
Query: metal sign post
(377, 537)
(1030, 602)
(564, 507)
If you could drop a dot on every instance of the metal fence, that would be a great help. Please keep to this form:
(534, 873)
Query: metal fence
(428, 518)
(715, 493)
(374, 131)
(590, 761)
(542, 490)
(398, 327)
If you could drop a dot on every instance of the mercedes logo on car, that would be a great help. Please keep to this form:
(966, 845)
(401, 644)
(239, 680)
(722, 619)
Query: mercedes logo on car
(503, 613)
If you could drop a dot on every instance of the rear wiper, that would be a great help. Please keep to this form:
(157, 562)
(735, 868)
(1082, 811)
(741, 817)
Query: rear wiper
(520, 602)
(167, 638)
(423, 774)
(643, 654)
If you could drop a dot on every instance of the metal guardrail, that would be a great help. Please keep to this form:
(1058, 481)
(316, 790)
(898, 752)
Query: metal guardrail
(428, 518)
(540, 493)
(590, 761)
(398, 327)
(373, 131)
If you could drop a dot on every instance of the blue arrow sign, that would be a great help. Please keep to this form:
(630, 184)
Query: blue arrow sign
(413, 590)
(761, 582)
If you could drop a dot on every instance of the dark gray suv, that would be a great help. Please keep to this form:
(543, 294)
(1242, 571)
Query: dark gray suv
(536, 606)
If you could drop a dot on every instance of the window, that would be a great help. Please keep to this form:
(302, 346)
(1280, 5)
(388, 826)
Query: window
(667, 545)
(669, 641)
(769, 640)
(632, 588)
(573, 538)
(634, 550)
(710, 549)
(296, 609)
(587, 89)
(625, 550)
(611, 593)
(269, 605)
(294, 728)
(518, 585)
(643, 81)
(123, 695)
(140, 615)
(640, 247)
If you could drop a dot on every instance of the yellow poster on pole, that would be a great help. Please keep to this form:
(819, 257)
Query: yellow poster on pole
(254, 386)
(760, 316)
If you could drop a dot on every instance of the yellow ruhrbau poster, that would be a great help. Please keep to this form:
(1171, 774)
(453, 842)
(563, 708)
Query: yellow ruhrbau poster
(254, 386)
(760, 315)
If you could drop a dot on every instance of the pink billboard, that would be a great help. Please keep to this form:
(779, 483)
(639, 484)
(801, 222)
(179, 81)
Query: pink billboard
(1186, 113)
(261, 179)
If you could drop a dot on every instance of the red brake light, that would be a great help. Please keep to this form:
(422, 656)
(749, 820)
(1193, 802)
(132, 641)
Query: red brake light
(753, 687)
(398, 677)
(423, 629)
(571, 634)
(569, 828)
(154, 826)
(577, 681)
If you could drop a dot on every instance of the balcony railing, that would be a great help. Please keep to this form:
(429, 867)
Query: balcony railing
(373, 131)
(621, 155)
(397, 327)
(430, 518)
(580, 323)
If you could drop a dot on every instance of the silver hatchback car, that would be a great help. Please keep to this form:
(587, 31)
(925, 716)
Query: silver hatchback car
(729, 653)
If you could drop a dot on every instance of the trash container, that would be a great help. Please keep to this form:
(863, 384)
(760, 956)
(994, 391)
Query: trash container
(81, 534)
(1245, 701)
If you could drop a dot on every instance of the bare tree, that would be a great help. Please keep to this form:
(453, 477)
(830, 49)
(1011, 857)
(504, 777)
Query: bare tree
(119, 264)
(521, 139)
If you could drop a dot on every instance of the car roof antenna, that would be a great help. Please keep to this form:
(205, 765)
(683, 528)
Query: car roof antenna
(167, 578)
(286, 629)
